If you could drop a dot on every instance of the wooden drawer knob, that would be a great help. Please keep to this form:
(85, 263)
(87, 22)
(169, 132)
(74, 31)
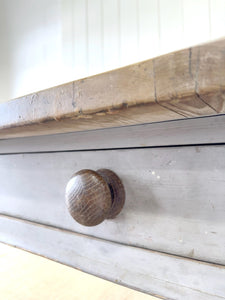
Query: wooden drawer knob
(92, 197)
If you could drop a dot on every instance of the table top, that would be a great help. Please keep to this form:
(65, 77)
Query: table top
(183, 84)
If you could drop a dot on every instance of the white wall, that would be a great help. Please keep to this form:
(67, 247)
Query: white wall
(48, 42)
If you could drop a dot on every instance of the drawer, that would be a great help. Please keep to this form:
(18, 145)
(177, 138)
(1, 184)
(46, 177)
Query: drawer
(174, 196)
(168, 240)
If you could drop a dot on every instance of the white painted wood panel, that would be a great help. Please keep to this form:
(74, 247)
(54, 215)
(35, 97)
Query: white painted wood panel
(174, 196)
(46, 43)
(170, 25)
(74, 22)
(95, 36)
(4, 55)
(196, 21)
(148, 19)
(111, 34)
(155, 273)
(217, 18)
(34, 45)
(129, 35)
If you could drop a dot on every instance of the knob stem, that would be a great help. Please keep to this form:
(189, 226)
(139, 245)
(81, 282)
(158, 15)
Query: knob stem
(116, 189)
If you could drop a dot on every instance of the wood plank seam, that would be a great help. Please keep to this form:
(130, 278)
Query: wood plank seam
(129, 267)
(196, 79)
(155, 93)
(68, 231)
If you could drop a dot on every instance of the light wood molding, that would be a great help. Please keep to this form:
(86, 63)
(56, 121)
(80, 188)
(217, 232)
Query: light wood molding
(186, 83)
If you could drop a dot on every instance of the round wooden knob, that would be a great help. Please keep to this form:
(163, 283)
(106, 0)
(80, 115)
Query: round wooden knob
(92, 197)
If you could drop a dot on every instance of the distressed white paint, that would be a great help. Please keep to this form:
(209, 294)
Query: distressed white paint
(155, 273)
(174, 188)
(46, 43)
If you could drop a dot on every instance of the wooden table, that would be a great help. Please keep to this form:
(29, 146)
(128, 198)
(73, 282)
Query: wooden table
(160, 126)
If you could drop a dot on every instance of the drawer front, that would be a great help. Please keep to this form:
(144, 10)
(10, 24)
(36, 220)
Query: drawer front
(174, 196)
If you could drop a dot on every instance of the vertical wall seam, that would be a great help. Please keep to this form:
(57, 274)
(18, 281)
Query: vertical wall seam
(138, 27)
(87, 37)
(210, 20)
(196, 82)
(73, 37)
(102, 34)
(159, 25)
(119, 31)
(182, 17)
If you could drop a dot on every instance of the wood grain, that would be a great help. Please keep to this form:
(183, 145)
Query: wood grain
(186, 83)
(175, 83)
(211, 89)
(167, 276)
(93, 196)
(174, 196)
(205, 130)
(88, 198)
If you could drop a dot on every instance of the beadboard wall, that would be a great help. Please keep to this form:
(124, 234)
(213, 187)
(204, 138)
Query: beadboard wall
(44, 43)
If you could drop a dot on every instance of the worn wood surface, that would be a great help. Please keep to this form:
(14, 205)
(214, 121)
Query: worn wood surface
(183, 84)
(174, 196)
(168, 276)
(204, 130)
